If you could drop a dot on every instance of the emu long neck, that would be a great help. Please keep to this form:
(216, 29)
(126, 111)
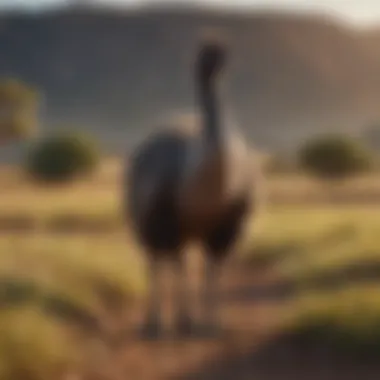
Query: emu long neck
(211, 115)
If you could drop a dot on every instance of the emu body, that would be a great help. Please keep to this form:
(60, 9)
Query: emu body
(191, 183)
(179, 192)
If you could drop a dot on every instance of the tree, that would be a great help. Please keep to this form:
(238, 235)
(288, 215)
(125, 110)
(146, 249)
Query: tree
(18, 110)
(63, 157)
(335, 157)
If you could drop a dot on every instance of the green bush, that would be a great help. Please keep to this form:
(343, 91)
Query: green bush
(335, 157)
(63, 157)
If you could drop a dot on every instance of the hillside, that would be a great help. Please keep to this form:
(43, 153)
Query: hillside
(113, 71)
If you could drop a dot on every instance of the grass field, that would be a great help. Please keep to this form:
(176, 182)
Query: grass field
(65, 256)
(331, 257)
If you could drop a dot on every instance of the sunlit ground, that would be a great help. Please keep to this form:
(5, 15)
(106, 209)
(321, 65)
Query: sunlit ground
(72, 259)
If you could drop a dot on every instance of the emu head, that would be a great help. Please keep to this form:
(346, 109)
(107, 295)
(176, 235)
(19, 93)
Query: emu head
(210, 61)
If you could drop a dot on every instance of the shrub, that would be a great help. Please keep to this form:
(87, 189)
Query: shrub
(63, 157)
(335, 157)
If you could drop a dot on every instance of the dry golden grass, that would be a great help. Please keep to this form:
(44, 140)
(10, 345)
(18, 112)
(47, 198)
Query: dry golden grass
(330, 257)
(96, 200)
(54, 286)
(47, 272)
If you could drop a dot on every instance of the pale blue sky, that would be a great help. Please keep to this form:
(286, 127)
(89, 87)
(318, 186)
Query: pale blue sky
(361, 11)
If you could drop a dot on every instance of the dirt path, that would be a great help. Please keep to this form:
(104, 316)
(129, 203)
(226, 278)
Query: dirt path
(247, 317)
(253, 306)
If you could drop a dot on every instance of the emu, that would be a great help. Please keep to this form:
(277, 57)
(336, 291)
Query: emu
(189, 185)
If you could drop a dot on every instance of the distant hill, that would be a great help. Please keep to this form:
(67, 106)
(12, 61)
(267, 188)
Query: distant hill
(114, 72)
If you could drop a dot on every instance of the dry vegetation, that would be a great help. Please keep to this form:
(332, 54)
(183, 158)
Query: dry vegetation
(66, 260)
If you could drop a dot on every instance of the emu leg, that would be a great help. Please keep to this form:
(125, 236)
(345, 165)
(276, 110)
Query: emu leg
(211, 311)
(152, 326)
(183, 322)
(219, 244)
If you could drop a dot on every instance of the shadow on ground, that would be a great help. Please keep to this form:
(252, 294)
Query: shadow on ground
(284, 359)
